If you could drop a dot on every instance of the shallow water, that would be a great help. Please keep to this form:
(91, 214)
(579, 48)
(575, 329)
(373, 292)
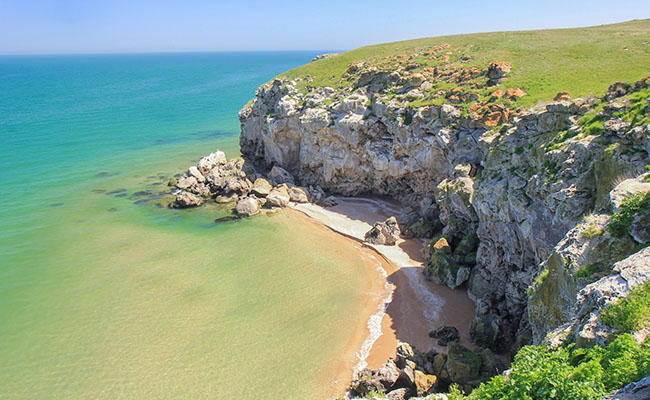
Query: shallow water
(105, 295)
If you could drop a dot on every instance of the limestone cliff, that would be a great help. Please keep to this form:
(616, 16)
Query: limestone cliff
(518, 180)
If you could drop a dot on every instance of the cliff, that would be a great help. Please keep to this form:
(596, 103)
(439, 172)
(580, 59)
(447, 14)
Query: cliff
(523, 183)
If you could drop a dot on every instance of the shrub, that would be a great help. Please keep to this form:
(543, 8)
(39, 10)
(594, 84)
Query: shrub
(631, 312)
(620, 223)
(591, 232)
(538, 372)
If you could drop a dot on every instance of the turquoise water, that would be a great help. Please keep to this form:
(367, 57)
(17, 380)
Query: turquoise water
(103, 294)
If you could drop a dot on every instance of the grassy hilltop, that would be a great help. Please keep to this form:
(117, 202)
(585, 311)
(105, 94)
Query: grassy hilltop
(581, 61)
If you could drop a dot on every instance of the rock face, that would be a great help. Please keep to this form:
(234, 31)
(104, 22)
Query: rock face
(634, 391)
(386, 232)
(516, 182)
(588, 269)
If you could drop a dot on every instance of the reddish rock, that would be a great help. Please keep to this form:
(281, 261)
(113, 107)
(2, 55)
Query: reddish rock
(499, 93)
(617, 89)
(562, 96)
(498, 70)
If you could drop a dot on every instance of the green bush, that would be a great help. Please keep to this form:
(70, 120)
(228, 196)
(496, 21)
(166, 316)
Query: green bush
(538, 372)
(631, 312)
(620, 223)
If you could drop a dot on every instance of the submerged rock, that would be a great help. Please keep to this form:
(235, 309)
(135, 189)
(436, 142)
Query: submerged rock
(186, 199)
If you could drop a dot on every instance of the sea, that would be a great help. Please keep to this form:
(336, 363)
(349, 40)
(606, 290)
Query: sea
(106, 295)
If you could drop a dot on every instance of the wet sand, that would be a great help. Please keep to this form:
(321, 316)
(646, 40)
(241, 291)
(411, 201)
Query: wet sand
(402, 305)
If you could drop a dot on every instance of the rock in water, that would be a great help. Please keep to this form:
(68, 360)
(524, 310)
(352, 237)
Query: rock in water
(186, 199)
(223, 199)
(247, 206)
(193, 171)
(186, 182)
(207, 163)
(445, 334)
(386, 232)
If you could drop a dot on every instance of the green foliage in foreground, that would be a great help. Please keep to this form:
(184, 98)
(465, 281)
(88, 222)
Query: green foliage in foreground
(631, 312)
(621, 221)
(581, 61)
(567, 373)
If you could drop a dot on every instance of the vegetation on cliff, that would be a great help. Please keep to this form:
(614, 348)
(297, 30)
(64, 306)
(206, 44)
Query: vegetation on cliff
(567, 372)
(579, 61)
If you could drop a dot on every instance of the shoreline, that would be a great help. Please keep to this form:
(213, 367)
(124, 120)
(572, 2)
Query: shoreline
(410, 306)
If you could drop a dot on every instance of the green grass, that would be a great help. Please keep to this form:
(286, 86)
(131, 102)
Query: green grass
(636, 113)
(581, 61)
(630, 313)
(591, 232)
(621, 222)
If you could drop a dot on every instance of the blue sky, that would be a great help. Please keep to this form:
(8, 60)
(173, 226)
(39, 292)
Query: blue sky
(88, 26)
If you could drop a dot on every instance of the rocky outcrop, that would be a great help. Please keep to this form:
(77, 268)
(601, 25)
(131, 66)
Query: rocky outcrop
(516, 180)
(576, 281)
(634, 391)
(418, 374)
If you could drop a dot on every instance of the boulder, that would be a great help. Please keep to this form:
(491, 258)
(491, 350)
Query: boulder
(445, 334)
(186, 182)
(223, 199)
(398, 394)
(298, 195)
(209, 162)
(497, 71)
(403, 353)
(279, 175)
(463, 364)
(237, 185)
(279, 197)
(388, 374)
(329, 201)
(186, 199)
(261, 187)
(247, 206)
(562, 96)
(424, 382)
(366, 382)
(193, 171)
(385, 233)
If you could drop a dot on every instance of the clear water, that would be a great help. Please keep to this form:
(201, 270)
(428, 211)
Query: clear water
(102, 297)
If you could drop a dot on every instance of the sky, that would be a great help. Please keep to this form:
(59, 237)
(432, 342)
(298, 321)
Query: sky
(126, 26)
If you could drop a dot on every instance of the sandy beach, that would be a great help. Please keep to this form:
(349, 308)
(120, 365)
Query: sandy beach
(401, 305)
